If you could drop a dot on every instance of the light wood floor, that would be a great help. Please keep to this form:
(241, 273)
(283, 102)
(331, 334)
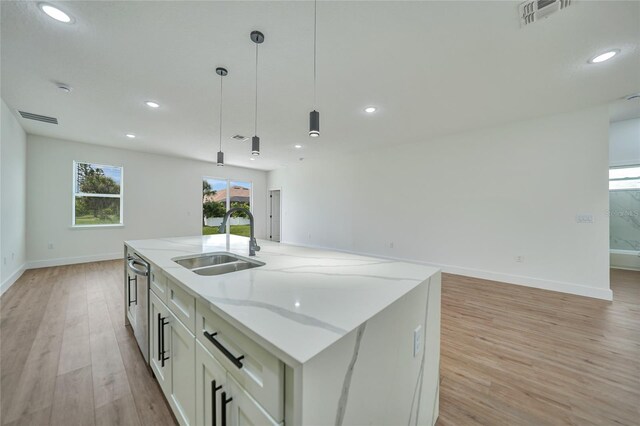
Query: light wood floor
(514, 355)
(510, 355)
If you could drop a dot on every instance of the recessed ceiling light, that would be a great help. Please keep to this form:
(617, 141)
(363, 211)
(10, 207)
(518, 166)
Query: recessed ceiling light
(252, 158)
(297, 146)
(130, 135)
(152, 104)
(55, 13)
(64, 87)
(370, 109)
(604, 56)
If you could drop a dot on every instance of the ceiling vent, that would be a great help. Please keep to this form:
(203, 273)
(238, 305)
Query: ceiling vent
(532, 11)
(37, 117)
(239, 138)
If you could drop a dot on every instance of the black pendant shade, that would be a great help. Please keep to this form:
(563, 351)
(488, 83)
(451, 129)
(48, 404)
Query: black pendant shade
(314, 124)
(220, 158)
(255, 145)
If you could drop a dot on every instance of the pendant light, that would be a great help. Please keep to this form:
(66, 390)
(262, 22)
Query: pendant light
(221, 72)
(314, 116)
(257, 37)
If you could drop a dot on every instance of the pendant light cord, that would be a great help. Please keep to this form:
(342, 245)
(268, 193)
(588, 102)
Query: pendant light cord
(220, 113)
(315, 19)
(256, 112)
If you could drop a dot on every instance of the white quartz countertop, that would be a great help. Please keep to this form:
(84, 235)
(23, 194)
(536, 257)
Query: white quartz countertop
(301, 301)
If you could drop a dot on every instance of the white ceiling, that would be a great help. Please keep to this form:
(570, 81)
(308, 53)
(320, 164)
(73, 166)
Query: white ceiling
(431, 68)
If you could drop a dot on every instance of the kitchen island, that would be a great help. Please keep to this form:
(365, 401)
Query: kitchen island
(312, 337)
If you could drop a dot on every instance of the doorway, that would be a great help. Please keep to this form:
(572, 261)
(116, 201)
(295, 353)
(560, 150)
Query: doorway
(274, 215)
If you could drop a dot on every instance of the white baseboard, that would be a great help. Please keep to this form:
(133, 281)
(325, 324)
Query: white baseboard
(71, 260)
(625, 259)
(12, 279)
(559, 286)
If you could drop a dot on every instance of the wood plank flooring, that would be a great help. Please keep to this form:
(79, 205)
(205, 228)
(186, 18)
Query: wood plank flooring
(510, 355)
(66, 357)
(514, 355)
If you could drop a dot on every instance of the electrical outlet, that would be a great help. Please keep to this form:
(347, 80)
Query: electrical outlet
(391, 244)
(417, 340)
(520, 259)
(50, 246)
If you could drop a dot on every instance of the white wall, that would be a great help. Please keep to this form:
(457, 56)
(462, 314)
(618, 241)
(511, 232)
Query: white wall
(12, 205)
(479, 198)
(624, 142)
(162, 198)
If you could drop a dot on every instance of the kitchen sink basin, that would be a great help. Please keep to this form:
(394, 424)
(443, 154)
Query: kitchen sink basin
(216, 263)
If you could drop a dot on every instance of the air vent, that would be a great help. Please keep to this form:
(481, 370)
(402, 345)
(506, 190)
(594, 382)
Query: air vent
(37, 117)
(240, 138)
(532, 11)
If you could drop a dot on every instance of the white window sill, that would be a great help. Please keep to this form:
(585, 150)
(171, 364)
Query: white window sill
(117, 225)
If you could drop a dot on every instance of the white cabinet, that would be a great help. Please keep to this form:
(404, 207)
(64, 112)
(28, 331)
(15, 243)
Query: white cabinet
(220, 400)
(182, 355)
(173, 360)
(198, 376)
(159, 317)
(241, 409)
(259, 373)
(158, 283)
(211, 379)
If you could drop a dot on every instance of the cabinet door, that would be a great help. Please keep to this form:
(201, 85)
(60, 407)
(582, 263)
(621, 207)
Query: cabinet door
(159, 341)
(182, 355)
(211, 380)
(130, 294)
(241, 409)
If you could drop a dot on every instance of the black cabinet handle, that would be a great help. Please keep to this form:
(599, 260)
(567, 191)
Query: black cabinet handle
(214, 389)
(225, 351)
(129, 295)
(163, 358)
(223, 402)
(159, 326)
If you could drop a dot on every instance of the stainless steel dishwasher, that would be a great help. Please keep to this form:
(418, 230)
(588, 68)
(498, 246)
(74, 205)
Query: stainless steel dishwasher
(136, 295)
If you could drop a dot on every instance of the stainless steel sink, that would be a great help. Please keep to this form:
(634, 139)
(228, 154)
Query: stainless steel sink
(216, 263)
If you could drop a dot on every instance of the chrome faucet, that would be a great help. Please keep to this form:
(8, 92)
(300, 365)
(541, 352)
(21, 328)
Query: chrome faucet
(253, 244)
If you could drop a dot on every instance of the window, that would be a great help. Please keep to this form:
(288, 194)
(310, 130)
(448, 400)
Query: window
(218, 196)
(627, 177)
(97, 195)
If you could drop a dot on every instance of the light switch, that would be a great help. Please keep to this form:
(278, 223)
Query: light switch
(584, 218)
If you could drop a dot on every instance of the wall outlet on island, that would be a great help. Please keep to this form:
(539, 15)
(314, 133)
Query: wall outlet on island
(417, 340)
(520, 259)
(391, 244)
(50, 246)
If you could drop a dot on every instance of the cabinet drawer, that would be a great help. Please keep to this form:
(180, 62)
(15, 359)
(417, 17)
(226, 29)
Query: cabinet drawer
(158, 283)
(181, 304)
(261, 374)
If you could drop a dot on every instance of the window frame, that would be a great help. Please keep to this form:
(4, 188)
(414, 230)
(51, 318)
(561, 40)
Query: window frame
(627, 166)
(75, 195)
(228, 198)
